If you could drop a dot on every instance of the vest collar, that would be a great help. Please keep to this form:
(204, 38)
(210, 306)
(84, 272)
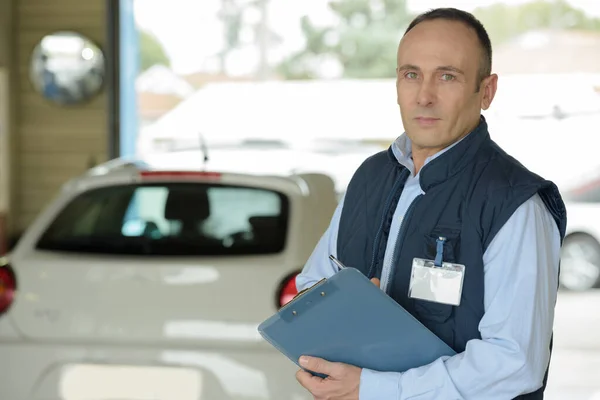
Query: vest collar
(452, 161)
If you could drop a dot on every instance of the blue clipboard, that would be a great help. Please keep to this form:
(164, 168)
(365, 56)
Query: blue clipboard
(346, 318)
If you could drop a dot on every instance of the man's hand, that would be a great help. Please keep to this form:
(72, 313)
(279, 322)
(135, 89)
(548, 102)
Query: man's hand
(342, 380)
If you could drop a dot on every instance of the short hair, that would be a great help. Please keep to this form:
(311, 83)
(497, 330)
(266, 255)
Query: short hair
(454, 14)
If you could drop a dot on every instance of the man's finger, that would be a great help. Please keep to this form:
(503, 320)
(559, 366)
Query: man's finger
(376, 282)
(308, 380)
(316, 364)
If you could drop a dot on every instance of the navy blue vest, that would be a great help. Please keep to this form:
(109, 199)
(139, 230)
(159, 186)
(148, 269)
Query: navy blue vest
(470, 192)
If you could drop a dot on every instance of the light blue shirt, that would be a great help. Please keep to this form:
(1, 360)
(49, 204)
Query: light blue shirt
(520, 280)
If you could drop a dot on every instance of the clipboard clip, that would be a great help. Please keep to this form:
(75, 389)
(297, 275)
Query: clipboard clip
(307, 289)
(307, 299)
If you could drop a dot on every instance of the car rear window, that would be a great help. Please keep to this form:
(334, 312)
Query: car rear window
(171, 219)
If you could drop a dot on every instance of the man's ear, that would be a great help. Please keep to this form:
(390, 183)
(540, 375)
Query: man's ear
(488, 87)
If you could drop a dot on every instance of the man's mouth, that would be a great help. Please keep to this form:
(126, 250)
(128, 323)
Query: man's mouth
(427, 121)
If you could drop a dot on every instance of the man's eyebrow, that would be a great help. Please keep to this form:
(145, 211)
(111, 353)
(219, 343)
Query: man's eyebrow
(443, 68)
(449, 68)
(406, 67)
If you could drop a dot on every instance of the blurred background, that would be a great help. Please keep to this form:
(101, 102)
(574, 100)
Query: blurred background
(316, 74)
(266, 87)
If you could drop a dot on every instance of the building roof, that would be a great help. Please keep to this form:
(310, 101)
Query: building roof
(549, 52)
(199, 79)
(152, 106)
(160, 79)
(295, 110)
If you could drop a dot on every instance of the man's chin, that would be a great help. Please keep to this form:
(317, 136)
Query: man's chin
(426, 139)
(424, 136)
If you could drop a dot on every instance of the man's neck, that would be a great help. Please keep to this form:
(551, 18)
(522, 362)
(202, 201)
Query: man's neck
(421, 154)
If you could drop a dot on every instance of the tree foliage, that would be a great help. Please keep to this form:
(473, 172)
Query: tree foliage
(363, 42)
(151, 51)
(504, 22)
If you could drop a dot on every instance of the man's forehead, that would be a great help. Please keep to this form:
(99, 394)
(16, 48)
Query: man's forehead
(440, 42)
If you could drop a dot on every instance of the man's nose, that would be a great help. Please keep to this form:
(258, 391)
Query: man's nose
(426, 95)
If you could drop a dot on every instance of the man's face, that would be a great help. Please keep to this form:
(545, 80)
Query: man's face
(437, 79)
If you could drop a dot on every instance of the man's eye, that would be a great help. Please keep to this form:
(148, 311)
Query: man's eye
(411, 75)
(447, 77)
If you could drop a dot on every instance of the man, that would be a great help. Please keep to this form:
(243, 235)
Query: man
(445, 183)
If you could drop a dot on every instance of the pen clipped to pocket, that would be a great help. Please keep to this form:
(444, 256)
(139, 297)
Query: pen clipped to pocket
(337, 262)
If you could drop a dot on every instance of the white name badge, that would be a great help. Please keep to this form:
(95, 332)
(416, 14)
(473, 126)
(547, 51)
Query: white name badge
(440, 284)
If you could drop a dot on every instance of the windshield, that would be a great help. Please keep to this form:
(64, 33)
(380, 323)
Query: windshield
(171, 219)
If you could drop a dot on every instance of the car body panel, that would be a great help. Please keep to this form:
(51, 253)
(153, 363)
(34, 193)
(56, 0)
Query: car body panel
(75, 372)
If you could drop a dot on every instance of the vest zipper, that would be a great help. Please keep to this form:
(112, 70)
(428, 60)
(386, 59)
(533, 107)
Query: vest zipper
(385, 213)
(398, 242)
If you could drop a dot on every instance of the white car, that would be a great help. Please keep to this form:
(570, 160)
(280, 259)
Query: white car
(580, 258)
(143, 284)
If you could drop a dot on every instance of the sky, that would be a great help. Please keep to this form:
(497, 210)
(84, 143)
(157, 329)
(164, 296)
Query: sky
(191, 33)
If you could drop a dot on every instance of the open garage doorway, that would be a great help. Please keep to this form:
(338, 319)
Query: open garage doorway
(276, 86)
(315, 80)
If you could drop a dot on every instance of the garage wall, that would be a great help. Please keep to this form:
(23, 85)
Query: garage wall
(5, 128)
(5, 29)
(52, 143)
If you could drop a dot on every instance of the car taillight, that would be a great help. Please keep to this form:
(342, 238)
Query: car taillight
(288, 290)
(8, 286)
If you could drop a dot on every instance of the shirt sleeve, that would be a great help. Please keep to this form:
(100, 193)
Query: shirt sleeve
(511, 358)
(319, 265)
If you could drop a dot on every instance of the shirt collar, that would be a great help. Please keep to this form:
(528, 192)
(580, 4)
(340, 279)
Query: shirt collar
(402, 149)
(446, 163)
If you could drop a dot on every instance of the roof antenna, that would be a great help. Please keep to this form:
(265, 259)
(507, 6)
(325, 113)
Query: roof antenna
(203, 147)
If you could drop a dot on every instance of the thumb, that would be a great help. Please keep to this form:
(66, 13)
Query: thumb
(376, 282)
(318, 365)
